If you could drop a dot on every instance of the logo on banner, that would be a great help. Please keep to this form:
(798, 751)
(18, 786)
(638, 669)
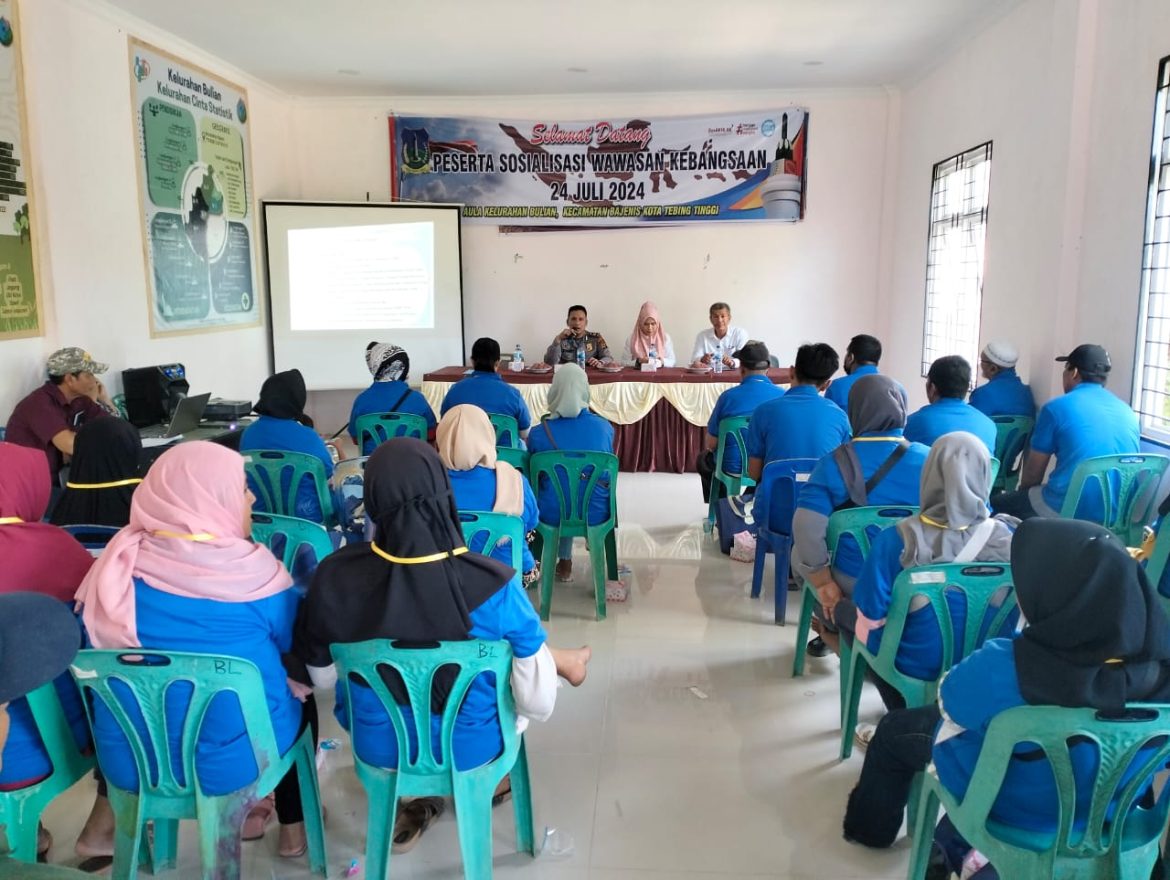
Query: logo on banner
(141, 68)
(416, 150)
(768, 128)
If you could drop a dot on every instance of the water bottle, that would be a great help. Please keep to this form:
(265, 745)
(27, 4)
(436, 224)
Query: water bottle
(717, 358)
(652, 358)
(581, 356)
(518, 355)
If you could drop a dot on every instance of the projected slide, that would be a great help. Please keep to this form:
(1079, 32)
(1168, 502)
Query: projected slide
(362, 277)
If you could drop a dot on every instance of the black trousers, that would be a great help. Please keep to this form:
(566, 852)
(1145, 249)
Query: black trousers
(288, 790)
(705, 465)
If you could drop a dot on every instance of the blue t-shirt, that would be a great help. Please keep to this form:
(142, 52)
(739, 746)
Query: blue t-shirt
(800, 424)
(1087, 421)
(475, 490)
(838, 390)
(742, 400)
(1005, 394)
(508, 614)
(258, 631)
(384, 397)
(825, 490)
(490, 393)
(288, 435)
(946, 415)
(587, 432)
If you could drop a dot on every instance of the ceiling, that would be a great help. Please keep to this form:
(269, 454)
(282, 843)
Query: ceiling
(526, 47)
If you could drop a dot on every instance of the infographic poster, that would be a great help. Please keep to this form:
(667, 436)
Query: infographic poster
(20, 312)
(195, 188)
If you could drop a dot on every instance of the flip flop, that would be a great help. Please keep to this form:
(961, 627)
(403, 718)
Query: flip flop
(413, 819)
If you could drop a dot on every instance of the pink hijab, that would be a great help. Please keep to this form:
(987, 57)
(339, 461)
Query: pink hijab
(640, 344)
(185, 537)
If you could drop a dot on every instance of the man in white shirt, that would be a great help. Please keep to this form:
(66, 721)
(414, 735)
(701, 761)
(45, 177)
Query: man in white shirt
(722, 337)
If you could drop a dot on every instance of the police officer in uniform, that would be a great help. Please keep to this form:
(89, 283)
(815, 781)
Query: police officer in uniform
(563, 349)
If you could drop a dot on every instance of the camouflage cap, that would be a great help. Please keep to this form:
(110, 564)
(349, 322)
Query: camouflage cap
(73, 360)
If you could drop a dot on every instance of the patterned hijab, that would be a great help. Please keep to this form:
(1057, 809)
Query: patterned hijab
(387, 363)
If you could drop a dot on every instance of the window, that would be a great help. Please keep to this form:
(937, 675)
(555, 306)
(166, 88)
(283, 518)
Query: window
(1152, 380)
(954, 256)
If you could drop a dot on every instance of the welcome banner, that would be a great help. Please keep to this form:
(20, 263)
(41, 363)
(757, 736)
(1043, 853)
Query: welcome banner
(605, 171)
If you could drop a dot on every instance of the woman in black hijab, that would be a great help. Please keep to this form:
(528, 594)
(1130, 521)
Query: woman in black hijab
(417, 582)
(283, 396)
(102, 476)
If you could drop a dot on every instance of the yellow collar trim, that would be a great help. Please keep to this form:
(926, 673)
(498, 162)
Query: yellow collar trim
(10, 520)
(198, 536)
(417, 560)
(115, 484)
(938, 524)
(875, 439)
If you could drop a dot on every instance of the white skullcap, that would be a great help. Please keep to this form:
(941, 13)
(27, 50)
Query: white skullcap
(1001, 353)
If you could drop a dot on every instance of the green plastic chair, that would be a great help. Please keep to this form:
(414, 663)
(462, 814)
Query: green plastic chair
(21, 809)
(297, 533)
(1128, 486)
(1156, 564)
(272, 470)
(1106, 848)
(994, 470)
(518, 458)
(436, 775)
(11, 869)
(1011, 441)
(495, 529)
(168, 793)
(567, 469)
(863, 524)
(981, 583)
(731, 430)
(374, 429)
(507, 430)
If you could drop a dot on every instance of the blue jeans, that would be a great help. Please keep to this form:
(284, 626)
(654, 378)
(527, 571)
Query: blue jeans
(565, 548)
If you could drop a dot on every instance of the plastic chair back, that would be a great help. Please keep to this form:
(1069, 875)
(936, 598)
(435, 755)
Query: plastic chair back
(169, 791)
(1011, 440)
(290, 534)
(518, 458)
(507, 430)
(92, 537)
(374, 429)
(1121, 831)
(21, 808)
(427, 772)
(775, 504)
(484, 531)
(575, 476)
(11, 869)
(276, 476)
(1126, 486)
(989, 603)
(731, 433)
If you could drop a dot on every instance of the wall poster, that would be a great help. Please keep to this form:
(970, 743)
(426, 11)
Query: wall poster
(195, 190)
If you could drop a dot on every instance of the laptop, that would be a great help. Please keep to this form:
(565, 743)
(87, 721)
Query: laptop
(187, 415)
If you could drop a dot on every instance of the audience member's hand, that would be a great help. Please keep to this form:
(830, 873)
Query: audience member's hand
(99, 395)
(829, 594)
(301, 691)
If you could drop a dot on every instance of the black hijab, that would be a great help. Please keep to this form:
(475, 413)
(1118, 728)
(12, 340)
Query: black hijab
(1097, 635)
(283, 396)
(105, 451)
(358, 594)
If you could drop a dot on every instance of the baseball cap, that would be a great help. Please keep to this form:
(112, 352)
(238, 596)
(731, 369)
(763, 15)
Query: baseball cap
(39, 637)
(753, 355)
(73, 360)
(1088, 358)
(1001, 353)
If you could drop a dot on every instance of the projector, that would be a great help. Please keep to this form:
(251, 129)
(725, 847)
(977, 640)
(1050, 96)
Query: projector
(220, 410)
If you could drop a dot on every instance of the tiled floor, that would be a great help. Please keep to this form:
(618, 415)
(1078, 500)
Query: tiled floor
(689, 752)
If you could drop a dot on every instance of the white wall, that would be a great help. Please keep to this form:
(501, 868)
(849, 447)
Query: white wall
(86, 200)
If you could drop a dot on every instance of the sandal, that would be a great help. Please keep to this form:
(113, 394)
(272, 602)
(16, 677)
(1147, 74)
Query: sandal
(413, 819)
(259, 818)
(501, 797)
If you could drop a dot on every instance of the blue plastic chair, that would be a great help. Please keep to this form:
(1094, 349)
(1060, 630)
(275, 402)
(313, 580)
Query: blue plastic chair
(92, 537)
(373, 429)
(168, 793)
(774, 506)
(427, 773)
(484, 531)
(1126, 485)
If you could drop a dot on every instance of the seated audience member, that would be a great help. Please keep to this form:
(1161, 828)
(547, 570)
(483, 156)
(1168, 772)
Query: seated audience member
(570, 425)
(721, 337)
(753, 390)
(861, 359)
(878, 466)
(417, 582)
(1086, 421)
(801, 424)
(954, 526)
(467, 447)
(1096, 637)
(44, 558)
(947, 382)
(1004, 394)
(48, 419)
(184, 575)
(648, 336)
(390, 367)
(284, 426)
(563, 349)
(102, 478)
(39, 638)
(486, 389)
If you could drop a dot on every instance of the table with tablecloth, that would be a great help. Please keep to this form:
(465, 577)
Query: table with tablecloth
(659, 418)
